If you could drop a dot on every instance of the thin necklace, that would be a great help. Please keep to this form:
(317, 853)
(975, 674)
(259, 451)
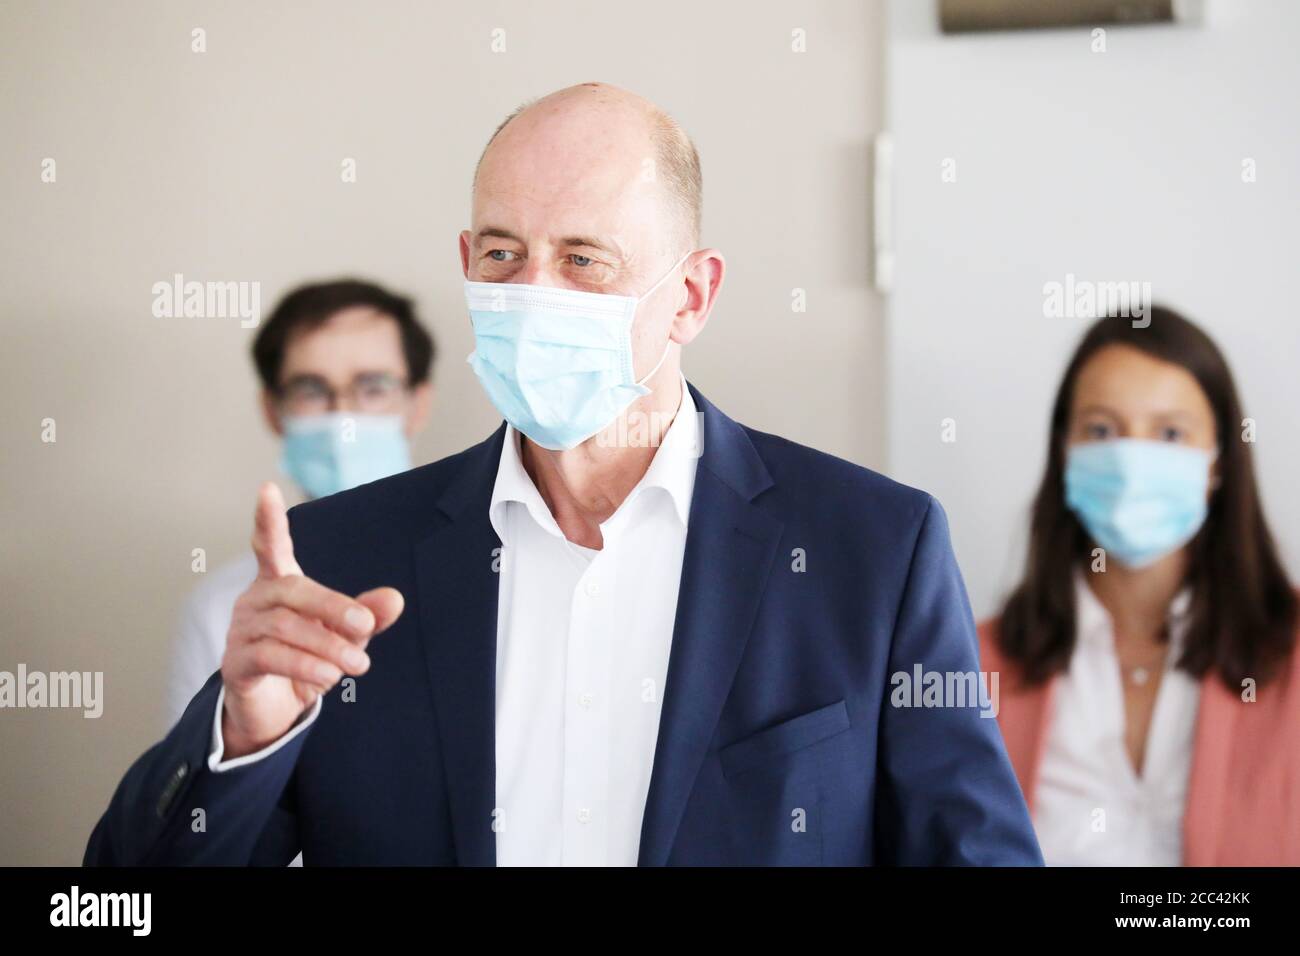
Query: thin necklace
(1139, 674)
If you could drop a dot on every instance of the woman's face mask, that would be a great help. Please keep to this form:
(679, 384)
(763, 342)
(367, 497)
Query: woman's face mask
(1139, 500)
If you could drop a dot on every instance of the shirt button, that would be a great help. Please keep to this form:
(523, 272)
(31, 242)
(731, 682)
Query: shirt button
(585, 701)
(584, 815)
(592, 588)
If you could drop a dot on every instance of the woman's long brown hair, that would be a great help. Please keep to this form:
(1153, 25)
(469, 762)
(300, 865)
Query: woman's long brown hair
(1243, 609)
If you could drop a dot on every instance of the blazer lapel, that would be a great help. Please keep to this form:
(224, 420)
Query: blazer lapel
(731, 545)
(457, 592)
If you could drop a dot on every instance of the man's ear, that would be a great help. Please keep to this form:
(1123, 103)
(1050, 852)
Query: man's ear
(417, 415)
(271, 414)
(703, 279)
(465, 237)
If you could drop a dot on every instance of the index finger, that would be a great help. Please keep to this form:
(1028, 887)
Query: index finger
(271, 541)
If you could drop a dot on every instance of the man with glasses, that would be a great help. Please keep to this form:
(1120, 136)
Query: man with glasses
(344, 368)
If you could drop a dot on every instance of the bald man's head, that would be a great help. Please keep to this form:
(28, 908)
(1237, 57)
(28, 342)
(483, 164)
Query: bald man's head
(673, 161)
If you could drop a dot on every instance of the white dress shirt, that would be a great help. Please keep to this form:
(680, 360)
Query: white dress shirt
(1091, 808)
(582, 656)
(583, 640)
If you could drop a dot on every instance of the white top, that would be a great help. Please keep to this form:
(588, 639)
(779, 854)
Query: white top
(1090, 806)
(583, 640)
(200, 640)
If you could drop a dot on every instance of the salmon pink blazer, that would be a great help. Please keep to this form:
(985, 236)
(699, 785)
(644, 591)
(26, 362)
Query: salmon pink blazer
(1243, 799)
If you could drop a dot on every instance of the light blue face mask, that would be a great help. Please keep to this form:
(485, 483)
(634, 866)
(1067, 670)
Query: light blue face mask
(556, 363)
(335, 451)
(1139, 500)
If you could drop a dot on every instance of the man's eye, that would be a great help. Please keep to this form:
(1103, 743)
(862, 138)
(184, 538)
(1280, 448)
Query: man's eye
(580, 260)
(308, 389)
(499, 255)
(1170, 433)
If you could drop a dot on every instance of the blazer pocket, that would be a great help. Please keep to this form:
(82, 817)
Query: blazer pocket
(784, 738)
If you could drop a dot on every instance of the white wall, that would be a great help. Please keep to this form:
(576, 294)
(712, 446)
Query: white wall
(1117, 165)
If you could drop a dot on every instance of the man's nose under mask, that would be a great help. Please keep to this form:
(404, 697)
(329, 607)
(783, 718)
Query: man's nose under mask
(333, 452)
(557, 363)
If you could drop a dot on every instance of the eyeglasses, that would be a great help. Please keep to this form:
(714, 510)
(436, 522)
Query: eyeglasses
(373, 393)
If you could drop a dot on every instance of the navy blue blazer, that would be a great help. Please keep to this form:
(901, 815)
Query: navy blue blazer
(807, 583)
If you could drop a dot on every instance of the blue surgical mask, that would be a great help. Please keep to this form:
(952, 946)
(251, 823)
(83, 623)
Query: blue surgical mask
(336, 451)
(1138, 500)
(556, 363)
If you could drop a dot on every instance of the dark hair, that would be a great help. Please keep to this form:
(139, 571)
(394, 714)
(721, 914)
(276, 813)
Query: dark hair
(1243, 609)
(310, 305)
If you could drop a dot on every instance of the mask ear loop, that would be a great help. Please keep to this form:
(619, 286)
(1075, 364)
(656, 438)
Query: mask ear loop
(645, 295)
(651, 373)
(662, 279)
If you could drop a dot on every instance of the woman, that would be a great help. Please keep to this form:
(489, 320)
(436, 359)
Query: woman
(1150, 684)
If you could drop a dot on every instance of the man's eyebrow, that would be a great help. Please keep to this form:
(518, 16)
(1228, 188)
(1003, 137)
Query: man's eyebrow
(591, 242)
(494, 232)
(303, 377)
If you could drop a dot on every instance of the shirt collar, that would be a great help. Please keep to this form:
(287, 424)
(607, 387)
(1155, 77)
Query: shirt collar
(672, 469)
(514, 484)
(673, 466)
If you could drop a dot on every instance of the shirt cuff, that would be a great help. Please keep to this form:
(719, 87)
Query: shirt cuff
(217, 765)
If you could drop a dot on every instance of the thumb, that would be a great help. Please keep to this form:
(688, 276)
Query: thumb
(271, 541)
(385, 604)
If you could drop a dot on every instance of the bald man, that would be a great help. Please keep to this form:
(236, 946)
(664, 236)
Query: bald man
(622, 630)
